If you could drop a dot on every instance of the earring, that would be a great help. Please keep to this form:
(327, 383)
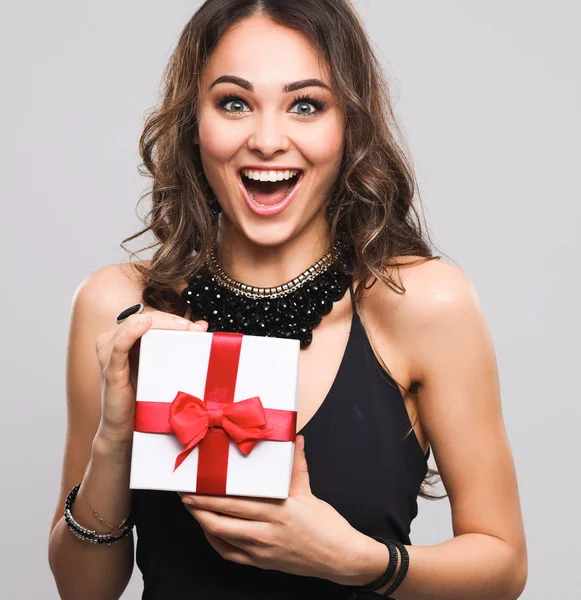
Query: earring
(214, 205)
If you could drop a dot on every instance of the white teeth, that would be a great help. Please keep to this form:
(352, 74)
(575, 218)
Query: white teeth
(269, 175)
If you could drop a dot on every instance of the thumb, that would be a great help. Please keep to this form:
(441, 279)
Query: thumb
(300, 482)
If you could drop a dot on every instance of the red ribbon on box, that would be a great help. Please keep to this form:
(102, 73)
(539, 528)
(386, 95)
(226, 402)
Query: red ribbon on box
(211, 423)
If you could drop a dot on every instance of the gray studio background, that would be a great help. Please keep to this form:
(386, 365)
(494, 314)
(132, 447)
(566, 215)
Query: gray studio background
(489, 96)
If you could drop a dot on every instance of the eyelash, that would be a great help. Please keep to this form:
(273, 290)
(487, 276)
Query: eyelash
(318, 104)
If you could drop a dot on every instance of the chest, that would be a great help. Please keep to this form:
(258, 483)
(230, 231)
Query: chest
(320, 362)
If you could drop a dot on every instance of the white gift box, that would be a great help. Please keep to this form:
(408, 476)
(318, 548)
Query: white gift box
(171, 361)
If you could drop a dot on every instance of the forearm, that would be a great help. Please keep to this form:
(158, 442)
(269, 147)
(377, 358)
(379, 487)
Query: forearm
(471, 565)
(96, 571)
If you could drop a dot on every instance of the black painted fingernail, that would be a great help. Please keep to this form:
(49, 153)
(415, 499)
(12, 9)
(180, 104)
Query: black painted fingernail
(132, 310)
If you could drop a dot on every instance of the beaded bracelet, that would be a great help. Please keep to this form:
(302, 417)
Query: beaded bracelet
(90, 535)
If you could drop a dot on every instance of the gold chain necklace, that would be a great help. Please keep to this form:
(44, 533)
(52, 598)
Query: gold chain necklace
(270, 292)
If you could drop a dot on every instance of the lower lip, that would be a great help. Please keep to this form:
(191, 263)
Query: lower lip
(274, 209)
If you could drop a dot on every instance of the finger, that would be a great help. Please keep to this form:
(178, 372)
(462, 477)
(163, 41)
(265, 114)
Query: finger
(125, 339)
(300, 482)
(164, 320)
(242, 532)
(201, 325)
(229, 551)
(243, 508)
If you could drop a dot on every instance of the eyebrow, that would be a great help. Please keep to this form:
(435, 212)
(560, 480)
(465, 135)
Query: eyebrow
(286, 88)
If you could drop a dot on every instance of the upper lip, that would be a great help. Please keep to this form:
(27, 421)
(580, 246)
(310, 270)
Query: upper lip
(270, 168)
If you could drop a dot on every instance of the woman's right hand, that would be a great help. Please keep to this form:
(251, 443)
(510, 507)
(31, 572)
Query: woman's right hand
(116, 353)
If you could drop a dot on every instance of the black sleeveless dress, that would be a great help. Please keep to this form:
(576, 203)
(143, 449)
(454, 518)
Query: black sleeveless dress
(359, 461)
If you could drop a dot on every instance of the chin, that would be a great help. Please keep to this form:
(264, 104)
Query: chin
(268, 235)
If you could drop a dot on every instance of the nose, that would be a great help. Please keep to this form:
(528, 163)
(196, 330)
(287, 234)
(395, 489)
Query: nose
(268, 135)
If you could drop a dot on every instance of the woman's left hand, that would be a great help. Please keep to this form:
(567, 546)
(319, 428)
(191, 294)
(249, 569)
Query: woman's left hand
(301, 534)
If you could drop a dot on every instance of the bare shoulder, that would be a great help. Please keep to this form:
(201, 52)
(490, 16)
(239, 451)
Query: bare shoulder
(440, 302)
(103, 294)
(436, 294)
(429, 285)
(110, 288)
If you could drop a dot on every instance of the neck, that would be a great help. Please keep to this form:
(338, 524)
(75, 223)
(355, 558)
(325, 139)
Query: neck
(270, 266)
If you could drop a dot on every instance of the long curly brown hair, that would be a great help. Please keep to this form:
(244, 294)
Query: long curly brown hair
(371, 203)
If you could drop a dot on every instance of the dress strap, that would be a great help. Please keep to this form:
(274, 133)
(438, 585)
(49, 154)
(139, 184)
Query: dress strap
(352, 293)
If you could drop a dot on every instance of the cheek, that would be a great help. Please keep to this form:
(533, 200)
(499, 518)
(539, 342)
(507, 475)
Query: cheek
(324, 148)
(218, 139)
(325, 155)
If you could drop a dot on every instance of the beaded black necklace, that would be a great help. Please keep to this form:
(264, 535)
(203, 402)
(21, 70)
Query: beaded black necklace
(288, 311)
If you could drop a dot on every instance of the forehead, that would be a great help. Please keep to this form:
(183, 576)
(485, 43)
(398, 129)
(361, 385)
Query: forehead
(264, 53)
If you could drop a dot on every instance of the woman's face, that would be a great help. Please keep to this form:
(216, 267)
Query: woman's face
(267, 128)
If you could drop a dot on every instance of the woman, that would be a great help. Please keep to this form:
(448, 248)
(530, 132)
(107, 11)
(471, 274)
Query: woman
(292, 89)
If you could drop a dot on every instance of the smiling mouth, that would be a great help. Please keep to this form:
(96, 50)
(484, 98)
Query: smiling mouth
(269, 193)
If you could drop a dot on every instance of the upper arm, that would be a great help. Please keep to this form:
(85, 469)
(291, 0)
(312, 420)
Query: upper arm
(459, 405)
(96, 302)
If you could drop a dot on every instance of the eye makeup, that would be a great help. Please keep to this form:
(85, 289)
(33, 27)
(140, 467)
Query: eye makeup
(319, 105)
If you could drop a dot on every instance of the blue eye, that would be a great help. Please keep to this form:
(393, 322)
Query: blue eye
(306, 99)
(319, 105)
(226, 100)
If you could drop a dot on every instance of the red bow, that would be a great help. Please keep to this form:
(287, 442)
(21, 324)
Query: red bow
(190, 418)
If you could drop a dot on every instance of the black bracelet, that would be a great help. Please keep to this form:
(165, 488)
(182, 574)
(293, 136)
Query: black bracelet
(405, 562)
(364, 591)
